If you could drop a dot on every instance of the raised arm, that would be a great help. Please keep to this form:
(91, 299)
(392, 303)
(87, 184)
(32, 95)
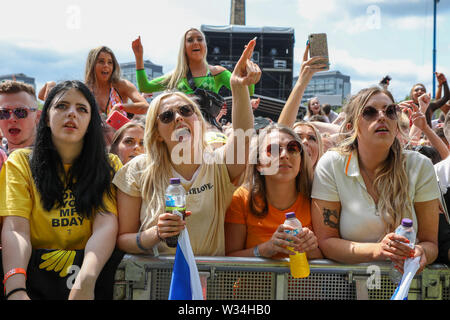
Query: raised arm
(309, 67)
(420, 124)
(143, 83)
(245, 74)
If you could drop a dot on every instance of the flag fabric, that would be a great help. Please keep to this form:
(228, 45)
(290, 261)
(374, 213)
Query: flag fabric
(410, 268)
(185, 284)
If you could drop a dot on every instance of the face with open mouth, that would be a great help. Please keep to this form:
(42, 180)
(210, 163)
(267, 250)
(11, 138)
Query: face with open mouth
(68, 118)
(104, 66)
(195, 45)
(19, 132)
(182, 124)
(378, 122)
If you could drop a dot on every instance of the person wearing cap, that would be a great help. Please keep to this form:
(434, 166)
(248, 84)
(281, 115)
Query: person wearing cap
(278, 183)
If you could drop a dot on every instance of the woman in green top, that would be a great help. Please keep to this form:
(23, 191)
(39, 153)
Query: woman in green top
(191, 56)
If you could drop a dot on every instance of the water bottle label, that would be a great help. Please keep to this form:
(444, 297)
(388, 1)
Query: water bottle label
(292, 232)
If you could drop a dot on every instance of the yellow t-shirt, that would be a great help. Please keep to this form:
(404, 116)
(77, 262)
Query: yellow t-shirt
(60, 228)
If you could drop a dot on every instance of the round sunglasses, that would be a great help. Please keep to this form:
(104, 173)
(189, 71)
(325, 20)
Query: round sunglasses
(293, 148)
(20, 113)
(371, 113)
(169, 115)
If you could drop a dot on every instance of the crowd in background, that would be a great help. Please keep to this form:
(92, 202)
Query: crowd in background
(83, 177)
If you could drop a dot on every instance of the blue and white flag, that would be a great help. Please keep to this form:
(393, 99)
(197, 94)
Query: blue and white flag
(410, 268)
(185, 284)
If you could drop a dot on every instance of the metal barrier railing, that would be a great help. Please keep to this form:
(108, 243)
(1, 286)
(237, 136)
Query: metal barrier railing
(229, 278)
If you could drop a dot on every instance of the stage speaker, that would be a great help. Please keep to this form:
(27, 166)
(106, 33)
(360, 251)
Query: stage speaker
(274, 53)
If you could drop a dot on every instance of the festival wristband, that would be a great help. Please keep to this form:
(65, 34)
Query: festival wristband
(14, 271)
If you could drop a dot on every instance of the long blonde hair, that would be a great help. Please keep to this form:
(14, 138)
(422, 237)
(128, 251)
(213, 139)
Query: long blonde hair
(391, 182)
(171, 80)
(89, 72)
(158, 170)
(255, 182)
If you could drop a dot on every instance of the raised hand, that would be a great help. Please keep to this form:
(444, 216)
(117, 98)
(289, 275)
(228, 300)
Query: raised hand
(418, 117)
(138, 51)
(246, 72)
(440, 78)
(310, 66)
(137, 47)
(424, 102)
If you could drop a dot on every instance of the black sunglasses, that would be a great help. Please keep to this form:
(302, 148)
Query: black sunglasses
(293, 148)
(20, 113)
(370, 113)
(169, 115)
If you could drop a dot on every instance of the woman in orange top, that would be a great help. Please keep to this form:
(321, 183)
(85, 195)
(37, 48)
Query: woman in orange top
(279, 182)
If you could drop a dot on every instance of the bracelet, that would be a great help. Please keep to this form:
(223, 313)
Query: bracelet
(14, 271)
(256, 251)
(139, 244)
(14, 291)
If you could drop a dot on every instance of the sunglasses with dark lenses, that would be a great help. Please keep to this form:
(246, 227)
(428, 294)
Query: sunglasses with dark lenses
(370, 113)
(293, 148)
(20, 113)
(169, 115)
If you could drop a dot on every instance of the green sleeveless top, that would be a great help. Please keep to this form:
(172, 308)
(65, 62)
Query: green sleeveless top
(208, 82)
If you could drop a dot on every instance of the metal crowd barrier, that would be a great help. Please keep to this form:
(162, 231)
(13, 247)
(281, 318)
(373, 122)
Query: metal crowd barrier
(141, 277)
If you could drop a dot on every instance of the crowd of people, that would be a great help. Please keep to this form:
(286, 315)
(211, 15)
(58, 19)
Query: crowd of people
(76, 193)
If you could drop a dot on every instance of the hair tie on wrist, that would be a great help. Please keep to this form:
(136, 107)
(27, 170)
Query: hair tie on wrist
(14, 291)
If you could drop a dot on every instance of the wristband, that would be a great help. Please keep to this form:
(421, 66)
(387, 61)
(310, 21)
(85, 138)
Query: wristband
(14, 291)
(14, 271)
(256, 251)
(138, 242)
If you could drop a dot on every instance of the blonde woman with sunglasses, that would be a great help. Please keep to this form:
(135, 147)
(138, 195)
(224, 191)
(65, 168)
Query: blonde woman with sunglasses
(175, 146)
(364, 188)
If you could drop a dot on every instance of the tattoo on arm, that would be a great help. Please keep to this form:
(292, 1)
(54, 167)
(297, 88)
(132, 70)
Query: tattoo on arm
(331, 218)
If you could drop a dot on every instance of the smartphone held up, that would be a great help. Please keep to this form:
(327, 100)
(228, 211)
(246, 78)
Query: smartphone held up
(318, 47)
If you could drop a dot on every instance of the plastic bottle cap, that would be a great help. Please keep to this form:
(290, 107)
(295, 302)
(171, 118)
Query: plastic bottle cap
(407, 222)
(174, 180)
(290, 215)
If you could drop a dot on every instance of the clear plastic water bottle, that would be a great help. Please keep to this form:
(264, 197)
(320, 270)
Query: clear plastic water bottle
(298, 263)
(176, 204)
(406, 230)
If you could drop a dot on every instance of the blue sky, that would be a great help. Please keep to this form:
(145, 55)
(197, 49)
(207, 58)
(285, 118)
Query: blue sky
(49, 40)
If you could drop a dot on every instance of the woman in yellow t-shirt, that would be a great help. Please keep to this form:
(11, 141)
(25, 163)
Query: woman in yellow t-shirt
(279, 183)
(57, 201)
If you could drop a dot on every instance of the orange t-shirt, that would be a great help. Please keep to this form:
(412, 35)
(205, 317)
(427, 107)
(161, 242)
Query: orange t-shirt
(260, 230)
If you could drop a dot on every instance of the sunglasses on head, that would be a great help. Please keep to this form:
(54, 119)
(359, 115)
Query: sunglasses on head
(293, 148)
(20, 113)
(371, 113)
(169, 115)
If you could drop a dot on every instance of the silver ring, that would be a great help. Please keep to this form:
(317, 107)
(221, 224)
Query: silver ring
(390, 243)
